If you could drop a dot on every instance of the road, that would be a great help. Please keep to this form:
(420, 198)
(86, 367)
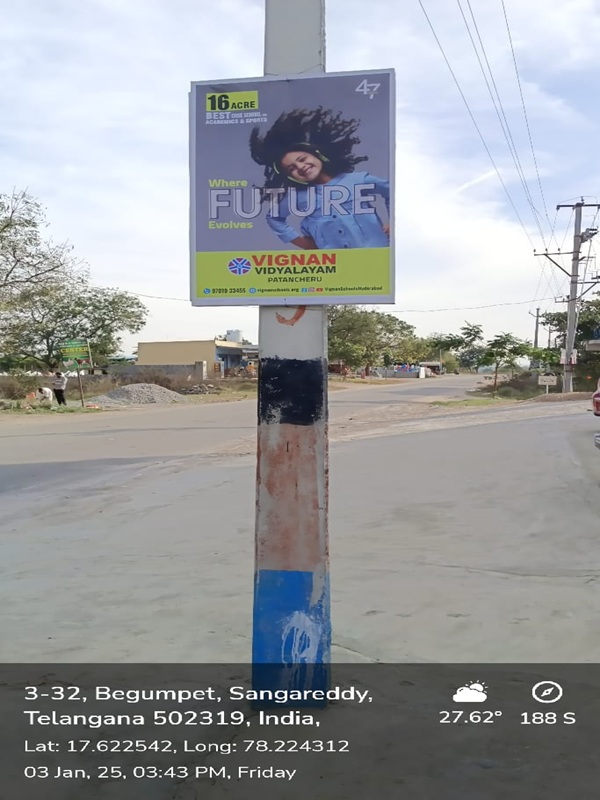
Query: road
(467, 537)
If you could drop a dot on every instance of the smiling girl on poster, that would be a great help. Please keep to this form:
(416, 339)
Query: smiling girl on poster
(309, 173)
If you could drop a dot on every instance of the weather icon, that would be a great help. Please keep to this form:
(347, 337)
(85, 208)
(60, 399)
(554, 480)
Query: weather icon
(475, 692)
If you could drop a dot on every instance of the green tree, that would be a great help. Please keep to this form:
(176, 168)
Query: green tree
(411, 350)
(546, 358)
(359, 337)
(445, 342)
(470, 357)
(27, 258)
(464, 348)
(587, 370)
(503, 351)
(471, 335)
(450, 361)
(36, 320)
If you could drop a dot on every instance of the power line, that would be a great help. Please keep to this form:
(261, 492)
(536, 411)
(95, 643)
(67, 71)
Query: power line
(560, 287)
(160, 297)
(474, 121)
(537, 172)
(553, 276)
(499, 109)
(466, 308)
(401, 311)
(506, 129)
(552, 268)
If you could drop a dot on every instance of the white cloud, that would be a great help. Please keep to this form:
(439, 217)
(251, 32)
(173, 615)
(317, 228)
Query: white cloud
(94, 110)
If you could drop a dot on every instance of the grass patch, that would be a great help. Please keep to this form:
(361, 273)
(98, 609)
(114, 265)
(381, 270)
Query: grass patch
(520, 388)
(19, 407)
(225, 396)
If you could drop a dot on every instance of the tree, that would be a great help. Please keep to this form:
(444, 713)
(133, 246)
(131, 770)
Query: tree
(37, 320)
(588, 363)
(470, 357)
(466, 346)
(450, 361)
(471, 335)
(503, 351)
(445, 342)
(588, 321)
(360, 338)
(27, 259)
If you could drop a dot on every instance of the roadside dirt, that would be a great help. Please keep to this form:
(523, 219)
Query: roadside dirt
(420, 415)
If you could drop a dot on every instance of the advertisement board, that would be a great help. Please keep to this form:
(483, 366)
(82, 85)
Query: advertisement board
(75, 349)
(292, 190)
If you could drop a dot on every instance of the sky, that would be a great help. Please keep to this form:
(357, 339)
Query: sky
(94, 123)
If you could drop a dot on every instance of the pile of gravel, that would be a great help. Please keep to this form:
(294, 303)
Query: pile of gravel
(137, 394)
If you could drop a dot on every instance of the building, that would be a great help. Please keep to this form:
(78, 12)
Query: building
(217, 356)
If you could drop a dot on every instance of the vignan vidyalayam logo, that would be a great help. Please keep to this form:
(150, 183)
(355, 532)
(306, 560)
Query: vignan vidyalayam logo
(239, 266)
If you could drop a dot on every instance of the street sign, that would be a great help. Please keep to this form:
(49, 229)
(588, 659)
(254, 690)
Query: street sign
(547, 380)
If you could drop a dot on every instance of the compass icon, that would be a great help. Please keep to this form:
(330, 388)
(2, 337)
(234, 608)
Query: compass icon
(547, 692)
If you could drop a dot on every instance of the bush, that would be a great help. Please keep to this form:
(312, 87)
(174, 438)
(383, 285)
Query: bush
(17, 387)
(522, 387)
(92, 387)
(588, 381)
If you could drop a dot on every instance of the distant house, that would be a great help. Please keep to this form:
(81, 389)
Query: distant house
(219, 355)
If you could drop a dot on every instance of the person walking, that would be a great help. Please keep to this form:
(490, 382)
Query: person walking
(59, 385)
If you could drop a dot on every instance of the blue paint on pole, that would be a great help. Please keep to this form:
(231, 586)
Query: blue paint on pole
(291, 646)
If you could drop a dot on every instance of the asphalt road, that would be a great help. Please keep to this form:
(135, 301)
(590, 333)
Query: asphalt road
(30, 446)
(470, 538)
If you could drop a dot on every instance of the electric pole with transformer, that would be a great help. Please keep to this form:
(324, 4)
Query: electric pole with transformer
(579, 238)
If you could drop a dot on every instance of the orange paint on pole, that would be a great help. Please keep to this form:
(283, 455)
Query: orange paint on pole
(300, 312)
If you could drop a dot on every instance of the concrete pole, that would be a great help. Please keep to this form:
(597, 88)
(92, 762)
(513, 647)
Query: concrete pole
(572, 308)
(291, 643)
(536, 336)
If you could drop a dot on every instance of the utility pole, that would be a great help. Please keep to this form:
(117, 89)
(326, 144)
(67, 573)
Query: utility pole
(537, 326)
(291, 638)
(579, 238)
(572, 307)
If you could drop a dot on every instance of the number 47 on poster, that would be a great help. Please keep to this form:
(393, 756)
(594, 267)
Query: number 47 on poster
(368, 88)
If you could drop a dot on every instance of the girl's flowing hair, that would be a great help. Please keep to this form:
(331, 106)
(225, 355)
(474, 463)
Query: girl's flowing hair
(321, 132)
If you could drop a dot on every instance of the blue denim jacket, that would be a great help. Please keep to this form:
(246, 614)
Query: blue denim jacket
(336, 231)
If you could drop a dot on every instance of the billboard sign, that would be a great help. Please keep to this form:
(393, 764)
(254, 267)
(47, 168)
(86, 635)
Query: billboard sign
(292, 190)
(75, 351)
